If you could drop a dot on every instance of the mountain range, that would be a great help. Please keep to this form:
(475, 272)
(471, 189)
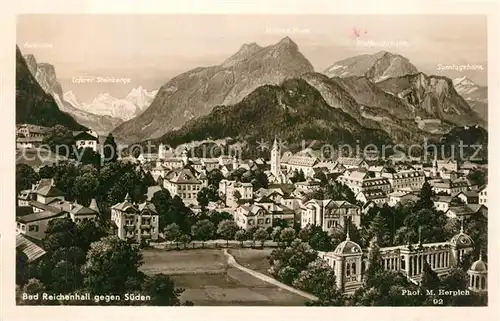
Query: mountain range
(33, 104)
(122, 108)
(476, 96)
(195, 93)
(377, 93)
(293, 111)
(103, 114)
(381, 91)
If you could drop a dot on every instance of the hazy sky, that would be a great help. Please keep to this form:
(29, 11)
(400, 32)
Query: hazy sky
(149, 49)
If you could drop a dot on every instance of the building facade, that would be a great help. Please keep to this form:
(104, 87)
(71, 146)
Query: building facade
(329, 214)
(135, 222)
(350, 262)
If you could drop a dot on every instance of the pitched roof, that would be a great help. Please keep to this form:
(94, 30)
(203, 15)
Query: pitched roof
(374, 194)
(73, 208)
(39, 216)
(49, 191)
(185, 175)
(30, 249)
(123, 206)
(350, 161)
(79, 135)
(147, 206)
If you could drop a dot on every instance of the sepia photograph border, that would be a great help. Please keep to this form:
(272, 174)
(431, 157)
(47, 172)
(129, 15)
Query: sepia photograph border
(8, 309)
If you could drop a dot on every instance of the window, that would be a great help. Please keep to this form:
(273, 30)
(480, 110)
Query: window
(260, 221)
(268, 220)
(250, 222)
(153, 219)
(348, 270)
(33, 228)
(483, 283)
(354, 268)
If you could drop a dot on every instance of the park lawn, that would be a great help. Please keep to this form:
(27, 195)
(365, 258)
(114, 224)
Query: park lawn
(183, 261)
(255, 259)
(209, 281)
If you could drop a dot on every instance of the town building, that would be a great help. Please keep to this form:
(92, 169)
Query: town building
(35, 225)
(247, 216)
(377, 196)
(350, 262)
(483, 195)
(329, 213)
(135, 222)
(468, 197)
(185, 182)
(235, 192)
(282, 167)
(405, 179)
(31, 131)
(359, 181)
(30, 249)
(28, 142)
(353, 162)
(87, 139)
(449, 187)
(401, 197)
(465, 211)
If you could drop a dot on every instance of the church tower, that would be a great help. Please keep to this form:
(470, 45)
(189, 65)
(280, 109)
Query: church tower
(276, 160)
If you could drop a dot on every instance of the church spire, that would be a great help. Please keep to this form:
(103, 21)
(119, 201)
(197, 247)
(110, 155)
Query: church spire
(420, 235)
(128, 198)
(480, 254)
(347, 238)
(461, 226)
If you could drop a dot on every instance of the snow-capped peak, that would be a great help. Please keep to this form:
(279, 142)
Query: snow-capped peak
(141, 97)
(464, 81)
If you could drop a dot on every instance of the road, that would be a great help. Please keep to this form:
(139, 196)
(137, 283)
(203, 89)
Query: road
(231, 261)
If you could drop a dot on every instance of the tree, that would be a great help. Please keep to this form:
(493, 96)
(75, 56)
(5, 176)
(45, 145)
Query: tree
(60, 139)
(25, 177)
(217, 217)
(261, 235)
(162, 291)
(172, 232)
(202, 198)
(478, 176)
(430, 279)
(240, 236)
(110, 150)
(46, 171)
(425, 198)
(162, 201)
(33, 287)
(287, 235)
(87, 233)
(85, 188)
(203, 230)
(185, 239)
(287, 263)
(378, 229)
(319, 279)
(227, 229)
(275, 234)
(214, 177)
(60, 233)
(112, 266)
(88, 156)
